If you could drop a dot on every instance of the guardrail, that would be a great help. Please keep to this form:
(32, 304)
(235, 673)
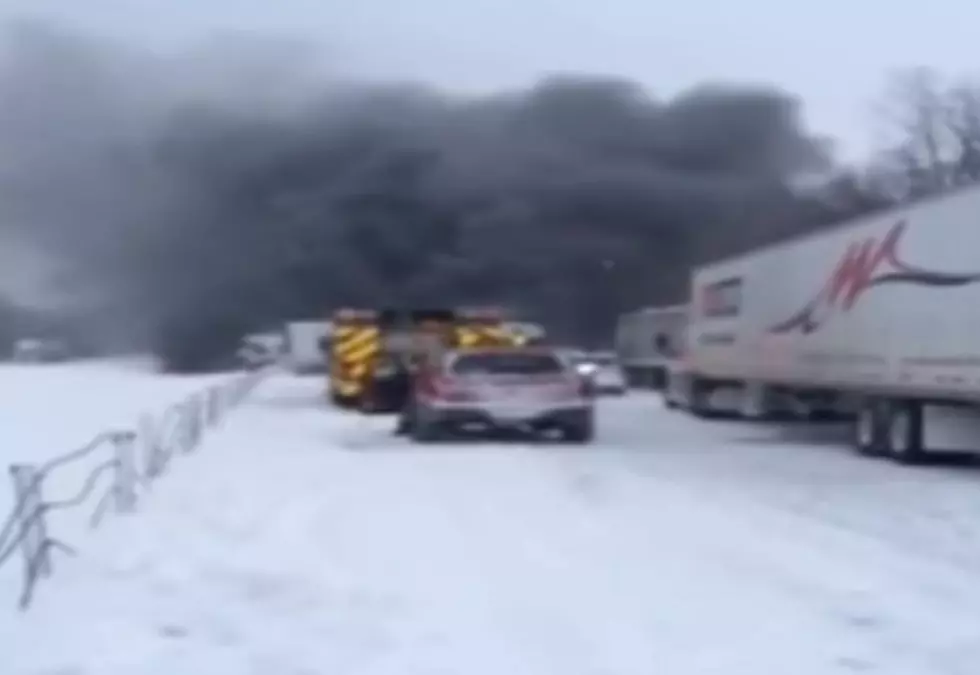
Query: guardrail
(133, 460)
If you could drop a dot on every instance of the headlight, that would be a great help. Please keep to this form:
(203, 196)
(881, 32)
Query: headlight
(586, 369)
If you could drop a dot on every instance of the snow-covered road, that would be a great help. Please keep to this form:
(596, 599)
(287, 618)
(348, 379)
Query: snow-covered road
(305, 541)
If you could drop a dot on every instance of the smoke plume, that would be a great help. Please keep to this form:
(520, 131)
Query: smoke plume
(183, 199)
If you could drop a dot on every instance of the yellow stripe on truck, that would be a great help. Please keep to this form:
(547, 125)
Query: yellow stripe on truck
(353, 346)
(359, 355)
(355, 341)
(498, 335)
(468, 337)
(484, 336)
(347, 388)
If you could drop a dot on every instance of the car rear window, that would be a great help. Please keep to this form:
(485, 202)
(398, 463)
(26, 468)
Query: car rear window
(508, 363)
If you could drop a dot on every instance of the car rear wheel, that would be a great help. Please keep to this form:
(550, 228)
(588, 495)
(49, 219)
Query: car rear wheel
(582, 430)
(423, 429)
(428, 432)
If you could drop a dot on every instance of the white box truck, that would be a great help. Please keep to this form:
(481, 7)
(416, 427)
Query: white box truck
(647, 341)
(302, 346)
(878, 318)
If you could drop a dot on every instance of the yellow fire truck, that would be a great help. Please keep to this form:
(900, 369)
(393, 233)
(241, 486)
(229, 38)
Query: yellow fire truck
(366, 347)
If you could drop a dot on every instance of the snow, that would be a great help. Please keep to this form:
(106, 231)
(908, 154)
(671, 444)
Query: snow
(301, 540)
(50, 410)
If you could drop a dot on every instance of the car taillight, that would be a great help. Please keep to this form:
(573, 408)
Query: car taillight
(456, 395)
(445, 389)
(572, 387)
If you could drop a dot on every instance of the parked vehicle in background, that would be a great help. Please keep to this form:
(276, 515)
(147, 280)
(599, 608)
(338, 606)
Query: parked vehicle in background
(877, 319)
(302, 346)
(649, 341)
(608, 376)
(38, 350)
(260, 349)
(572, 356)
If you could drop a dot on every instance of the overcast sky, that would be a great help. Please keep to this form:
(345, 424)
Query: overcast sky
(833, 53)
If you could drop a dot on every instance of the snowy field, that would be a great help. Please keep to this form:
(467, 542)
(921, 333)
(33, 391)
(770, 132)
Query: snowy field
(302, 541)
(49, 410)
(52, 409)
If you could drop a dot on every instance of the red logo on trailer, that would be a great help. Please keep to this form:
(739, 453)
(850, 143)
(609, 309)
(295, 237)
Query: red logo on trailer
(865, 264)
(721, 299)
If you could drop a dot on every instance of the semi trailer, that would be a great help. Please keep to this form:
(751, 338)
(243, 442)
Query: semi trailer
(876, 320)
(647, 343)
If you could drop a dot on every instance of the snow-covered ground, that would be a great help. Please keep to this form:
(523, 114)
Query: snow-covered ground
(49, 410)
(303, 541)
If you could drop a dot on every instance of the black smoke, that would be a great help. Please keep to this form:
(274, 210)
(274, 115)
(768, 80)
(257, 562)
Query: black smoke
(187, 199)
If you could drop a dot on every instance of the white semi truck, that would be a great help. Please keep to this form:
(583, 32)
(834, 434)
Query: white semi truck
(877, 319)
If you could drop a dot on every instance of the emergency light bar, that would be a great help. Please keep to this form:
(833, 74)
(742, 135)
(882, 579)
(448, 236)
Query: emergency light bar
(482, 314)
(354, 314)
(414, 317)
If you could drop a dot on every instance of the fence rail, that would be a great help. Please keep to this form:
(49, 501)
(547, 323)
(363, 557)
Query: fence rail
(132, 459)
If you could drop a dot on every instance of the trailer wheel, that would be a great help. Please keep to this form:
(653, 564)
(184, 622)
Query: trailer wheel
(904, 426)
(754, 403)
(700, 400)
(868, 429)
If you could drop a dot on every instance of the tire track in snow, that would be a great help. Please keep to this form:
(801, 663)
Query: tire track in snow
(896, 592)
(625, 594)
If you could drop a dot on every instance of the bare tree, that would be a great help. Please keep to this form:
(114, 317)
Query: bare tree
(915, 108)
(932, 132)
(963, 122)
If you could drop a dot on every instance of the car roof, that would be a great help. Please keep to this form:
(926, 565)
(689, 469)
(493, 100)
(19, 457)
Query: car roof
(455, 354)
(505, 349)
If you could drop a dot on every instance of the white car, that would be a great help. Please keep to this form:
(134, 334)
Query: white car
(608, 376)
(532, 391)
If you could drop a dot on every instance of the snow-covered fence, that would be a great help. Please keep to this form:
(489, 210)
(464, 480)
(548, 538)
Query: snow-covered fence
(132, 460)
